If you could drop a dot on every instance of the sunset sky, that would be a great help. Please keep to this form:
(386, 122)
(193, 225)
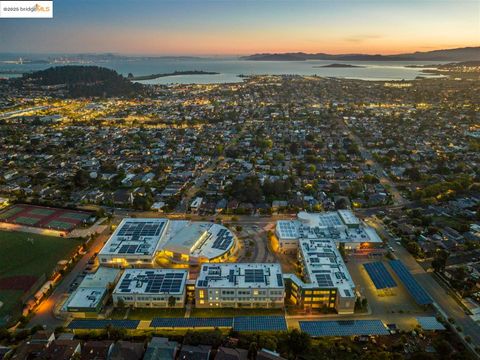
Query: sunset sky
(234, 27)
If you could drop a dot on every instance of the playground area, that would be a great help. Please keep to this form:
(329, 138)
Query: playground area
(43, 217)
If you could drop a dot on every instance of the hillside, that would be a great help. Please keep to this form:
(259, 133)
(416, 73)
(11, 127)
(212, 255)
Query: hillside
(459, 54)
(84, 81)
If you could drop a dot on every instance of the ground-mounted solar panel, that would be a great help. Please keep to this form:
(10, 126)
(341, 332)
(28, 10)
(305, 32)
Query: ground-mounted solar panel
(102, 324)
(420, 296)
(344, 328)
(260, 323)
(379, 275)
(191, 322)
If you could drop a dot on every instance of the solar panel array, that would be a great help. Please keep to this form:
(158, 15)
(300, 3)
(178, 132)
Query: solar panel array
(102, 324)
(343, 328)
(330, 220)
(420, 296)
(191, 322)
(430, 323)
(156, 282)
(136, 229)
(128, 249)
(254, 275)
(324, 280)
(223, 240)
(287, 229)
(379, 275)
(260, 323)
(279, 279)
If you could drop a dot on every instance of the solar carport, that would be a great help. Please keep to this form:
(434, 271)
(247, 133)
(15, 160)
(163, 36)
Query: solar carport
(344, 328)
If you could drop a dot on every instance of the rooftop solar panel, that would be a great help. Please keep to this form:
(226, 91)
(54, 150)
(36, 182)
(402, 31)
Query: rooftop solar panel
(343, 328)
(420, 296)
(191, 322)
(324, 280)
(259, 323)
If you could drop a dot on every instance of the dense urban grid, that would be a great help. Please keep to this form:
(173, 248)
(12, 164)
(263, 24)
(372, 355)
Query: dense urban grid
(280, 217)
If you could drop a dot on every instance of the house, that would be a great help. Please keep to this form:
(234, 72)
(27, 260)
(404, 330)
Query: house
(42, 337)
(122, 196)
(265, 354)
(96, 350)
(158, 206)
(225, 353)
(127, 350)
(161, 348)
(277, 204)
(221, 205)
(62, 350)
(28, 350)
(189, 352)
(196, 204)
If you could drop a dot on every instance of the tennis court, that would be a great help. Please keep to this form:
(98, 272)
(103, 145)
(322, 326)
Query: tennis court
(55, 224)
(10, 212)
(74, 216)
(44, 217)
(26, 220)
(42, 212)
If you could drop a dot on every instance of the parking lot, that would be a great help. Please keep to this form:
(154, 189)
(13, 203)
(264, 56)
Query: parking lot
(397, 300)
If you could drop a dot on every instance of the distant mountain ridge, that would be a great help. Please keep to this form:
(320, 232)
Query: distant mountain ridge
(458, 54)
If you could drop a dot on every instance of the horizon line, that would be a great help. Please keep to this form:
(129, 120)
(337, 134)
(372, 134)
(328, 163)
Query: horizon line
(105, 52)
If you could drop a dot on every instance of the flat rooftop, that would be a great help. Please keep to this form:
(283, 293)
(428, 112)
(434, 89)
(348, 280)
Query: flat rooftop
(324, 266)
(86, 298)
(197, 239)
(238, 275)
(135, 237)
(152, 281)
(92, 288)
(342, 226)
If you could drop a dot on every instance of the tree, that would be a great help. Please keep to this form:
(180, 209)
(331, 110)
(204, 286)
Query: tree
(81, 178)
(298, 343)
(440, 260)
(414, 249)
(121, 304)
(252, 351)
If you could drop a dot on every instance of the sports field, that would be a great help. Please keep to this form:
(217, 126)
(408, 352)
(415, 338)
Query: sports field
(23, 259)
(43, 217)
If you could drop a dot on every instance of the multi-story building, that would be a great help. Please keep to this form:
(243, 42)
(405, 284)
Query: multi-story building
(341, 226)
(151, 288)
(137, 242)
(326, 282)
(240, 286)
(134, 243)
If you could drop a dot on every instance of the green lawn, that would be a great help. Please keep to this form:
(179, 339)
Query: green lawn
(196, 312)
(18, 256)
(147, 313)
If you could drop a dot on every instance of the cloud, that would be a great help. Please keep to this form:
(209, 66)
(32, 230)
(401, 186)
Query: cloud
(361, 38)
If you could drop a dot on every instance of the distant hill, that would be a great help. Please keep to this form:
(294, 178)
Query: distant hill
(84, 81)
(459, 54)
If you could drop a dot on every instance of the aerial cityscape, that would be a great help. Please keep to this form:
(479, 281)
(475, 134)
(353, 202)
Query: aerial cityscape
(240, 180)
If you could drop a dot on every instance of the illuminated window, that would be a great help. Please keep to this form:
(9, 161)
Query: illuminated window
(201, 294)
